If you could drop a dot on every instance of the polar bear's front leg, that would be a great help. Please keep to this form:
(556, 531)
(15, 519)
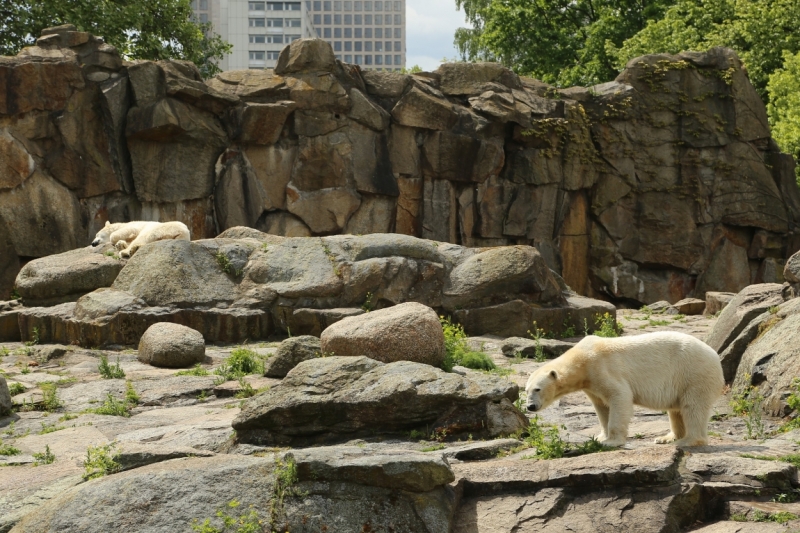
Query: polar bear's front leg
(602, 414)
(620, 412)
(678, 431)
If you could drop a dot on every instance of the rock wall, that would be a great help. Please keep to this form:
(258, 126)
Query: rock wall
(660, 185)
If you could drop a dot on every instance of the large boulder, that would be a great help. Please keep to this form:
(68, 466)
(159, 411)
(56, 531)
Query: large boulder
(172, 346)
(404, 332)
(744, 307)
(791, 271)
(67, 276)
(336, 398)
(290, 353)
(5, 398)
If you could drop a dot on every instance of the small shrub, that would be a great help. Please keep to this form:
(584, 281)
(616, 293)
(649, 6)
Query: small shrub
(246, 390)
(4, 351)
(50, 401)
(49, 428)
(7, 449)
(434, 448)
(747, 403)
(112, 407)
(100, 461)
(196, 370)
(108, 371)
(239, 363)
(245, 523)
(16, 388)
(477, 361)
(546, 439)
(606, 326)
(226, 266)
(44, 458)
(367, 305)
(35, 338)
(131, 396)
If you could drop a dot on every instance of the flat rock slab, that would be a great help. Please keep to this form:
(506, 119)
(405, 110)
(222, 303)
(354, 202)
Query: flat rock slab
(333, 399)
(393, 469)
(551, 348)
(479, 451)
(744, 307)
(742, 470)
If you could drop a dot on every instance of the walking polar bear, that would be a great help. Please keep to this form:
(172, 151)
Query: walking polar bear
(668, 371)
(130, 236)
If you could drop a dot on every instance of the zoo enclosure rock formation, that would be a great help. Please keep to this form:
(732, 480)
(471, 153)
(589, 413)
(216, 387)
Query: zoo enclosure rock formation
(662, 184)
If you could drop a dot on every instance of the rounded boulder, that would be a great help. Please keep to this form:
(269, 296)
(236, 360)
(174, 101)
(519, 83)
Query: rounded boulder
(405, 332)
(172, 346)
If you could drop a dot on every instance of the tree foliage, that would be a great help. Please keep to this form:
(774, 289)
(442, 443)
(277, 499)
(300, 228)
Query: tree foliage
(784, 106)
(760, 31)
(139, 29)
(563, 42)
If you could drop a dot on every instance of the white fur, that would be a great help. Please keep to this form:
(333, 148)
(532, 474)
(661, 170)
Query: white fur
(130, 236)
(667, 370)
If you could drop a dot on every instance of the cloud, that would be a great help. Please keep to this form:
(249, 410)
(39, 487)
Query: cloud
(430, 26)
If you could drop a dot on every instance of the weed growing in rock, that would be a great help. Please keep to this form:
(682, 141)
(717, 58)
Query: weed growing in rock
(4, 351)
(34, 338)
(547, 441)
(367, 305)
(606, 326)
(434, 448)
(7, 449)
(44, 458)
(16, 388)
(196, 370)
(245, 523)
(131, 396)
(658, 322)
(49, 428)
(25, 370)
(285, 479)
(108, 371)
(239, 363)
(100, 461)
(537, 334)
(50, 401)
(67, 417)
(226, 266)
(747, 404)
(457, 352)
(246, 390)
(112, 407)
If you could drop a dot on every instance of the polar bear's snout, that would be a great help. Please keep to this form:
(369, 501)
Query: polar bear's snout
(533, 407)
(95, 242)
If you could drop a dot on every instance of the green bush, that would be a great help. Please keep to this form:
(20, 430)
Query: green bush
(7, 449)
(112, 407)
(477, 361)
(108, 371)
(457, 352)
(546, 439)
(196, 370)
(606, 326)
(44, 458)
(239, 363)
(16, 388)
(100, 461)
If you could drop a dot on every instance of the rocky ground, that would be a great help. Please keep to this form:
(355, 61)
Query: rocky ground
(643, 487)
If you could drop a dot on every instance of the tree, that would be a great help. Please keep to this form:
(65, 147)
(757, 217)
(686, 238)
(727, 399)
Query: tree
(784, 106)
(760, 31)
(563, 42)
(139, 29)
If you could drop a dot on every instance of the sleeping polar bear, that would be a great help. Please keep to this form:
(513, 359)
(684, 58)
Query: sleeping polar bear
(667, 370)
(130, 236)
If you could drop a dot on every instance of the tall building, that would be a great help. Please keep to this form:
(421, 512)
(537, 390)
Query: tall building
(369, 33)
(258, 30)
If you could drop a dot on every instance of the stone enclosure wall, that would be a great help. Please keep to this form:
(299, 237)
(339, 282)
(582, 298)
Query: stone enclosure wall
(660, 185)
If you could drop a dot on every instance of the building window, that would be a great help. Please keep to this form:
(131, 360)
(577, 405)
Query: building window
(379, 60)
(396, 47)
(378, 46)
(397, 60)
(358, 33)
(337, 46)
(194, 5)
(378, 5)
(273, 56)
(255, 6)
(379, 33)
(388, 20)
(293, 6)
(337, 19)
(387, 60)
(258, 39)
(203, 18)
(338, 57)
(274, 23)
(292, 23)
(348, 20)
(348, 58)
(378, 20)
(256, 56)
(275, 39)
(274, 6)
(326, 5)
(368, 46)
(397, 33)
(358, 60)
(318, 20)
(368, 33)
(397, 20)
(357, 46)
(348, 46)
(387, 6)
(326, 19)
(358, 19)
(367, 60)
(348, 5)
(291, 38)
(368, 5)
(368, 20)
(256, 23)
(203, 5)
(357, 5)
(397, 6)
(317, 5)
(337, 5)
(319, 32)
(337, 33)
(326, 32)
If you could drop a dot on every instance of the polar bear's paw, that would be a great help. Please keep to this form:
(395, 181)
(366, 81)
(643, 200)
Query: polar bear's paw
(125, 254)
(666, 439)
(600, 437)
(121, 245)
(612, 443)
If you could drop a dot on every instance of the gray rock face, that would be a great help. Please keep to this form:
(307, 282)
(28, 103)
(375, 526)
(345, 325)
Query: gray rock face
(404, 332)
(690, 306)
(5, 398)
(744, 307)
(791, 271)
(67, 276)
(551, 348)
(291, 352)
(104, 504)
(716, 301)
(337, 398)
(171, 345)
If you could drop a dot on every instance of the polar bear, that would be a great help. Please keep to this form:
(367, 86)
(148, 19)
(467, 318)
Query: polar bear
(130, 236)
(667, 370)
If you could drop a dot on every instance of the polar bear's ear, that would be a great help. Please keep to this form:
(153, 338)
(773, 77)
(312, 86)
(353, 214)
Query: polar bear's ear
(107, 224)
(553, 374)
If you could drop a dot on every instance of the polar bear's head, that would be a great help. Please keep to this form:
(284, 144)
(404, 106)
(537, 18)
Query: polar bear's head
(103, 236)
(541, 389)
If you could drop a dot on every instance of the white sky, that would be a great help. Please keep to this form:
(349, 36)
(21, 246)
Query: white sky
(430, 25)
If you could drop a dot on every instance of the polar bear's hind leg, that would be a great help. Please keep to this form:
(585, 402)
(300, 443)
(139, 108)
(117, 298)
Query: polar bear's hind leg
(678, 431)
